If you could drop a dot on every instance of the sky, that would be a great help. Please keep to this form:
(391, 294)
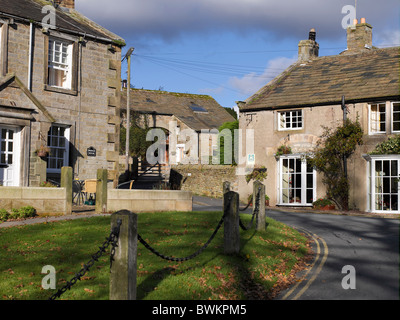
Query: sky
(229, 49)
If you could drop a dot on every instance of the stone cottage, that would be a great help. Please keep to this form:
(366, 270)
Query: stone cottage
(292, 108)
(59, 90)
(179, 114)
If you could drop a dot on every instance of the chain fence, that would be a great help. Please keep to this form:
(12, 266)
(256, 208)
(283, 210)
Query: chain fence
(255, 212)
(111, 239)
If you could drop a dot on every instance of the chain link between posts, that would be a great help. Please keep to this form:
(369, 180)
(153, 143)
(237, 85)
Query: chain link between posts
(111, 239)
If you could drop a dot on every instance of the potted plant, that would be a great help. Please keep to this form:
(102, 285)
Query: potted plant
(283, 150)
(258, 173)
(43, 151)
(323, 204)
(266, 201)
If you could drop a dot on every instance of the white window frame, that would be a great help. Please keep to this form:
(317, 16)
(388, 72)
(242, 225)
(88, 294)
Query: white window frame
(392, 116)
(303, 181)
(371, 120)
(55, 62)
(66, 149)
(1, 48)
(371, 183)
(283, 114)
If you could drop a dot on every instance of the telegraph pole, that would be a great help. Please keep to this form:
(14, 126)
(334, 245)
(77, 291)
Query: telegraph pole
(128, 113)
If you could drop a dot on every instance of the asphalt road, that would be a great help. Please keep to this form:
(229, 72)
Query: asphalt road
(367, 247)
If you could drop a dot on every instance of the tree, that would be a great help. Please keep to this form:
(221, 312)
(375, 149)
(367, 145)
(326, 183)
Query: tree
(330, 158)
(137, 137)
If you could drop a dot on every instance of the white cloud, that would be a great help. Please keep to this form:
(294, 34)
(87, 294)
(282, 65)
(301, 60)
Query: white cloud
(252, 82)
(387, 38)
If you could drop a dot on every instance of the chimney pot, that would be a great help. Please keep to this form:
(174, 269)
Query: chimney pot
(359, 38)
(355, 22)
(308, 49)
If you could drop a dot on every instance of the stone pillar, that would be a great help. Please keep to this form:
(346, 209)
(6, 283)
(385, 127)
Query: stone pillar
(231, 223)
(124, 266)
(259, 188)
(101, 191)
(66, 182)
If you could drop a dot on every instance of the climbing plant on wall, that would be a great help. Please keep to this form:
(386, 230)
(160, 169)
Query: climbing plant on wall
(330, 156)
(390, 146)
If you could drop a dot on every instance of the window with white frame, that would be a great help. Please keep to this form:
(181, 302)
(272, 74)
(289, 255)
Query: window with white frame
(58, 141)
(1, 44)
(60, 64)
(396, 116)
(290, 120)
(383, 187)
(377, 118)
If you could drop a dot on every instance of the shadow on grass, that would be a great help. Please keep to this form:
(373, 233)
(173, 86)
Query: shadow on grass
(153, 280)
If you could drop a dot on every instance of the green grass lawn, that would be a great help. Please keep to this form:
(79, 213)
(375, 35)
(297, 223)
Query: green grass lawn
(267, 261)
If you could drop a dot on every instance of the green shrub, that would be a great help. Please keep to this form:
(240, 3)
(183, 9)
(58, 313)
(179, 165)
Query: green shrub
(27, 212)
(322, 202)
(22, 213)
(14, 214)
(4, 214)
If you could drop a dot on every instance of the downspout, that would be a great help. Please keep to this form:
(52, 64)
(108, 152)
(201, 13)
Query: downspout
(30, 62)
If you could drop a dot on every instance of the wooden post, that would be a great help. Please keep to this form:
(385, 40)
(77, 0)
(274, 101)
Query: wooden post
(124, 266)
(66, 182)
(101, 191)
(258, 187)
(231, 223)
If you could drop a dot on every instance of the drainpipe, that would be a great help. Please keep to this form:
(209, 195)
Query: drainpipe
(30, 62)
(344, 121)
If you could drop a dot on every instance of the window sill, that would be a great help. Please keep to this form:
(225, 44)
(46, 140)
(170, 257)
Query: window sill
(60, 90)
(288, 129)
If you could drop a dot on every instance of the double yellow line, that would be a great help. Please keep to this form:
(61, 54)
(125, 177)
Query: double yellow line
(321, 256)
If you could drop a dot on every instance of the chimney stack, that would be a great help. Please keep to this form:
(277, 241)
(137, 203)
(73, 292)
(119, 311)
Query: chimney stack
(359, 36)
(70, 4)
(309, 49)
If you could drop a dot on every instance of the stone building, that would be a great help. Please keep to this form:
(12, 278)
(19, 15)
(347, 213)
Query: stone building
(292, 108)
(180, 114)
(59, 88)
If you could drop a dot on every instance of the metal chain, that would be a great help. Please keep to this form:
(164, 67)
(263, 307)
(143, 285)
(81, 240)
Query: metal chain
(248, 205)
(255, 212)
(111, 239)
(188, 257)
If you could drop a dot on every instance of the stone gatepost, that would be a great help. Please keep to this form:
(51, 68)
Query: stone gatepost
(124, 264)
(259, 189)
(66, 182)
(101, 191)
(231, 223)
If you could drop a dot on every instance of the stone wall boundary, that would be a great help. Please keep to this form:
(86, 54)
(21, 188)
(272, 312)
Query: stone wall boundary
(45, 200)
(203, 179)
(149, 200)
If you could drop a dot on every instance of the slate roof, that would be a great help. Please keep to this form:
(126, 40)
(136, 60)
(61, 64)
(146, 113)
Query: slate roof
(196, 111)
(361, 77)
(67, 20)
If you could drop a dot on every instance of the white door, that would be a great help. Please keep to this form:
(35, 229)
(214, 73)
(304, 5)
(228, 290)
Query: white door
(297, 181)
(9, 156)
